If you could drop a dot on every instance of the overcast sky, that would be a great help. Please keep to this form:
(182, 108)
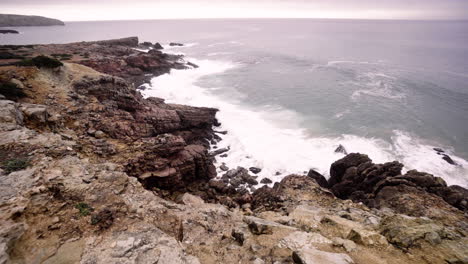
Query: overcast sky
(77, 10)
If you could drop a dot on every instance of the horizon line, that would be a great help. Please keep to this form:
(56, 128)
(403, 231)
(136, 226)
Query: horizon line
(264, 18)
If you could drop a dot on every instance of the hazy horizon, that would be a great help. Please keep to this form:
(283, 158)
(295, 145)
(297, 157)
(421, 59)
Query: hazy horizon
(107, 10)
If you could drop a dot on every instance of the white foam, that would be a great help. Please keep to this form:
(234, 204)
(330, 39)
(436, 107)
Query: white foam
(271, 138)
(418, 154)
(377, 84)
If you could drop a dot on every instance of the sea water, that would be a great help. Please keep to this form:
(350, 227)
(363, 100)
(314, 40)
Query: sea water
(290, 91)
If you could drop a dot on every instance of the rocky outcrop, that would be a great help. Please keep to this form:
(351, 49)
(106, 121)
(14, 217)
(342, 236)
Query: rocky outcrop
(7, 20)
(8, 31)
(94, 173)
(383, 185)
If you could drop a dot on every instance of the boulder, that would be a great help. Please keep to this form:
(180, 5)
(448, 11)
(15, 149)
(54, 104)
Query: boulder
(313, 256)
(255, 170)
(319, 178)
(341, 149)
(158, 46)
(266, 181)
(175, 44)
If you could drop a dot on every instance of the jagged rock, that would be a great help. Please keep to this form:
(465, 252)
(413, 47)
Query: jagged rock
(341, 149)
(366, 238)
(260, 226)
(255, 170)
(158, 46)
(319, 178)
(339, 167)
(219, 151)
(193, 65)
(448, 159)
(266, 181)
(189, 199)
(34, 112)
(10, 116)
(380, 185)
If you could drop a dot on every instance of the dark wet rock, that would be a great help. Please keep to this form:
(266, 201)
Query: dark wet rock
(193, 65)
(8, 31)
(219, 151)
(146, 44)
(175, 44)
(439, 150)
(341, 149)
(223, 155)
(126, 42)
(223, 167)
(319, 178)
(448, 159)
(220, 132)
(266, 181)
(383, 185)
(255, 170)
(158, 46)
(239, 176)
(339, 167)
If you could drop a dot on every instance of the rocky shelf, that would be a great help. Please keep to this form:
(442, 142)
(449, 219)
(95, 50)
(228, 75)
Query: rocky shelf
(92, 172)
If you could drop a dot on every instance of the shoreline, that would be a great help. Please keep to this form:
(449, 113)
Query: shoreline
(181, 87)
(93, 167)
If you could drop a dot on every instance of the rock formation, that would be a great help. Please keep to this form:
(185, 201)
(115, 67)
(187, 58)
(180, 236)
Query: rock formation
(92, 172)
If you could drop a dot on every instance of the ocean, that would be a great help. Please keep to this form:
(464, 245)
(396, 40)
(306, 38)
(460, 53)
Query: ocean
(290, 91)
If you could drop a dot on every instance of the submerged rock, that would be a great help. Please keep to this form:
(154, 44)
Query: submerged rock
(158, 46)
(172, 44)
(341, 149)
(255, 170)
(8, 31)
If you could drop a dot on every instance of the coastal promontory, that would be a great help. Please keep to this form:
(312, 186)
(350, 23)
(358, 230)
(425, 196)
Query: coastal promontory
(7, 20)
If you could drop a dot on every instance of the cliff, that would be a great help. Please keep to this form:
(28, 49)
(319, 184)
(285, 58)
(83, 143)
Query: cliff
(93, 173)
(7, 20)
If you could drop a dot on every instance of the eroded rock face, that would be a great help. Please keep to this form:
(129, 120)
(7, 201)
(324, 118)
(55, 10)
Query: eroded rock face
(383, 185)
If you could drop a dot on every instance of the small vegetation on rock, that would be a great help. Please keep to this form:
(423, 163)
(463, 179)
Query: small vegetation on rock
(41, 62)
(15, 165)
(63, 56)
(11, 90)
(84, 208)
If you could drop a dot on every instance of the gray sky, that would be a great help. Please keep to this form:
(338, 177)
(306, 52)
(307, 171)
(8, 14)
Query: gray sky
(73, 10)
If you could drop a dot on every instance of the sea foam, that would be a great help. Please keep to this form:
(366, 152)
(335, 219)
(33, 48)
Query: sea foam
(271, 138)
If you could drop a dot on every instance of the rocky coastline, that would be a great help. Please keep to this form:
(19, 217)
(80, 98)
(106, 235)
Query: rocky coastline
(92, 172)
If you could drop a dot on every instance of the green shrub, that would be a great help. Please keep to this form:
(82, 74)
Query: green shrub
(41, 62)
(15, 165)
(84, 208)
(11, 90)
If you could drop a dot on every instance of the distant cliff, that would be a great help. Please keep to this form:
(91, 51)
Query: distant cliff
(19, 21)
